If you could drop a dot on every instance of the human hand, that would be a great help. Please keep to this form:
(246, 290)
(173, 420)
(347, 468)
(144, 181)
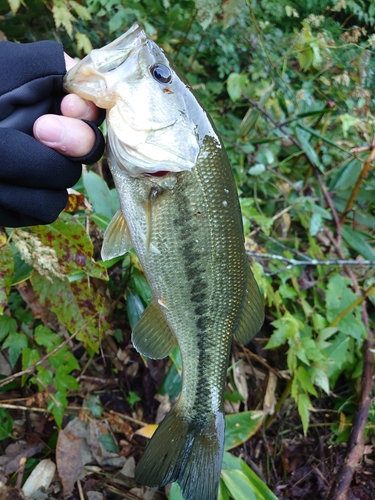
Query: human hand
(68, 134)
(35, 171)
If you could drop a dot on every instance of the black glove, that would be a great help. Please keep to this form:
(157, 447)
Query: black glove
(33, 177)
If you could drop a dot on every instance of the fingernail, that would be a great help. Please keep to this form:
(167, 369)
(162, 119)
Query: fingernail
(49, 130)
(77, 107)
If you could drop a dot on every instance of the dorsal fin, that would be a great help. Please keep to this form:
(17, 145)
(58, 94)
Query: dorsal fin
(117, 239)
(152, 336)
(252, 316)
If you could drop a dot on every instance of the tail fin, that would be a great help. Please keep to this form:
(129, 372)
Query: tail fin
(186, 451)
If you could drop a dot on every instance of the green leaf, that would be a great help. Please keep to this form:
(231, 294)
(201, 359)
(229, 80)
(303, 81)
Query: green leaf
(94, 404)
(44, 375)
(29, 358)
(7, 325)
(83, 43)
(140, 284)
(108, 442)
(235, 85)
(100, 195)
(133, 398)
(304, 139)
(304, 406)
(134, 306)
(14, 5)
(338, 296)
(63, 357)
(172, 383)
(240, 427)
(303, 378)
(6, 424)
(15, 342)
(45, 337)
(81, 10)
(175, 492)
(242, 482)
(6, 274)
(357, 241)
(63, 380)
(58, 410)
(62, 16)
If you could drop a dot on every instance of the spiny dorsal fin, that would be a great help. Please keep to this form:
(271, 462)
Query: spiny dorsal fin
(252, 316)
(152, 336)
(117, 239)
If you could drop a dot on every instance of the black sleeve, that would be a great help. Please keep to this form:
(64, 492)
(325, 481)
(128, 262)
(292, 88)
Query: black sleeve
(33, 177)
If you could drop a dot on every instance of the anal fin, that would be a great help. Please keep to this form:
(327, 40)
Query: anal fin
(252, 316)
(152, 336)
(117, 240)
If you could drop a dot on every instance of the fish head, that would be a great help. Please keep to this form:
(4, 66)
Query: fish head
(150, 125)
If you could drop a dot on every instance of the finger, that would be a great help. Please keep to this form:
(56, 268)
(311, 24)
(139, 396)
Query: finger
(68, 136)
(76, 107)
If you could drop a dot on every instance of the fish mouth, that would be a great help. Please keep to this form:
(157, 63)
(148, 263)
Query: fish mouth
(94, 76)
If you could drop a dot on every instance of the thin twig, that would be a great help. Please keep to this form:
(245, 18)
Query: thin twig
(312, 262)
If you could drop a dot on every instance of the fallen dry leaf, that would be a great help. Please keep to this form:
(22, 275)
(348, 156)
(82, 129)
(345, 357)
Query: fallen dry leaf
(147, 431)
(69, 454)
(10, 461)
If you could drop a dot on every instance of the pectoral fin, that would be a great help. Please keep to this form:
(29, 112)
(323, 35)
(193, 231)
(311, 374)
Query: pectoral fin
(117, 239)
(152, 336)
(252, 316)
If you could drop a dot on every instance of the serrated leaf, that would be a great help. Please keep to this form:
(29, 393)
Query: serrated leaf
(304, 406)
(6, 274)
(240, 427)
(81, 10)
(63, 17)
(63, 381)
(83, 43)
(45, 337)
(7, 325)
(73, 246)
(15, 343)
(304, 381)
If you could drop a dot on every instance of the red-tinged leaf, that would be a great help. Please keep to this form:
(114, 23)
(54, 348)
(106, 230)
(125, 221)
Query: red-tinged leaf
(6, 273)
(75, 305)
(73, 247)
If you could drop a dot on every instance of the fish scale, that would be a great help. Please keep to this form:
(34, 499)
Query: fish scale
(180, 211)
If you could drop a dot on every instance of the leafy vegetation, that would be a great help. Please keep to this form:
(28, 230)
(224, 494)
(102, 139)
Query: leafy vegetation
(289, 85)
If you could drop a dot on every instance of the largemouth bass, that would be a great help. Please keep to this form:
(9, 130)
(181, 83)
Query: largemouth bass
(180, 211)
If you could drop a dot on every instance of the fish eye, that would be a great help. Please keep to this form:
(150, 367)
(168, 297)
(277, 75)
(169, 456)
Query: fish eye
(161, 73)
